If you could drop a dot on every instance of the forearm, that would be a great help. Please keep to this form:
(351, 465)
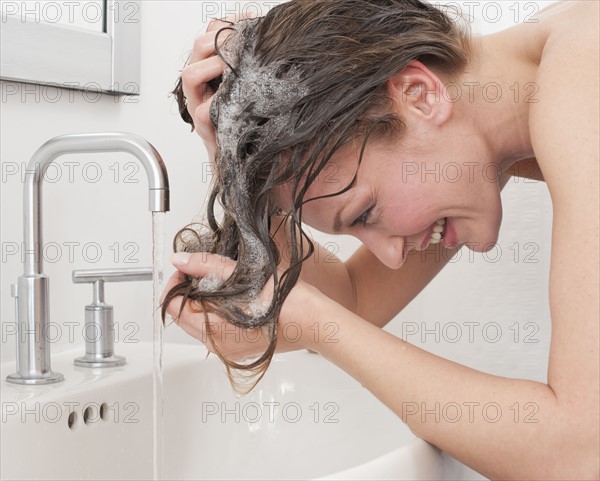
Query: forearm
(363, 284)
(382, 292)
(503, 428)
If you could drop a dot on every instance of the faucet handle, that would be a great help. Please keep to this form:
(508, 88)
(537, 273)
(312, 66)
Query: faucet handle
(100, 344)
(127, 274)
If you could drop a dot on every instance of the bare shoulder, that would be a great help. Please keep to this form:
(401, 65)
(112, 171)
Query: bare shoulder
(564, 114)
(562, 43)
(565, 11)
(564, 129)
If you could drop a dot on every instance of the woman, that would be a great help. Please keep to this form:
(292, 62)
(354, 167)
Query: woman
(372, 103)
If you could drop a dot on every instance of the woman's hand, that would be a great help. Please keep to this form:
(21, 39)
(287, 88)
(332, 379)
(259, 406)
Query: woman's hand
(202, 67)
(296, 325)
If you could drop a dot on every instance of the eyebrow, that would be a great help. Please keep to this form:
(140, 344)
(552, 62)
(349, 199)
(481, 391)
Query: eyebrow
(338, 224)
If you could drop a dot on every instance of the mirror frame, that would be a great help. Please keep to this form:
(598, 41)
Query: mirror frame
(68, 57)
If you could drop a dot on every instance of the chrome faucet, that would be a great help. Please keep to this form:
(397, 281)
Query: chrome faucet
(32, 290)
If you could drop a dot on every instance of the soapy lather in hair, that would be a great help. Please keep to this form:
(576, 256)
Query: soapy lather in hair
(251, 108)
(301, 83)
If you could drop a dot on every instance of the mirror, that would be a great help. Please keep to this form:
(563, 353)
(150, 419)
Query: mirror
(88, 15)
(89, 45)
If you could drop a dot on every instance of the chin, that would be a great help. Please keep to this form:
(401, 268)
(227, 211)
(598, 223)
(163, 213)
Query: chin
(478, 246)
(485, 238)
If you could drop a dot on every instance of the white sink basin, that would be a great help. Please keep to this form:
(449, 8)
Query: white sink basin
(306, 419)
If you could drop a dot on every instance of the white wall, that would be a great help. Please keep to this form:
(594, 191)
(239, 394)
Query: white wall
(509, 291)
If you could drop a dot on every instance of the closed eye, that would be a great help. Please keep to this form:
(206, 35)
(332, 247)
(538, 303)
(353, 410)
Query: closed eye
(363, 218)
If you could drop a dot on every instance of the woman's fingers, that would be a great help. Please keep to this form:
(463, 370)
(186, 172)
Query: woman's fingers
(232, 341)
(196, 265)
(201, 115)
(176, 278)
(202, 67)
(204, 45)
(189, 320)
(217, 23)
(194, 81)
(203, 264)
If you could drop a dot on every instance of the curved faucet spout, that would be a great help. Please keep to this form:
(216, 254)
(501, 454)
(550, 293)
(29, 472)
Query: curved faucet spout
(32, 289)
(158, 179)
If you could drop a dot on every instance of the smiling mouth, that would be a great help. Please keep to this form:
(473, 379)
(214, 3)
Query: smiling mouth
(436, 236)
(438, 232)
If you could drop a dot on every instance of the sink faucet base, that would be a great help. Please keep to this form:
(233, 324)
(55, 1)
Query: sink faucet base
(32, 312)
(89, 361)
(47, 378)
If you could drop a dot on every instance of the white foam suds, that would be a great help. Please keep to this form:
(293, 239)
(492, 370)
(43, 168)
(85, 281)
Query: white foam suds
(209, 283)
(258, 307)
(252, 108)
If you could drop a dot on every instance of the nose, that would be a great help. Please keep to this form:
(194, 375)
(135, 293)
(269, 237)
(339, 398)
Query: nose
(389, 250)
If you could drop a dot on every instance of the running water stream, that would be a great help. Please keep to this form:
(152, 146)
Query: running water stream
(158, 234)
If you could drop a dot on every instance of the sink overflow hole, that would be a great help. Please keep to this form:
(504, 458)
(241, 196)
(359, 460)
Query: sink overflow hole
(71, 420)
(104, 411)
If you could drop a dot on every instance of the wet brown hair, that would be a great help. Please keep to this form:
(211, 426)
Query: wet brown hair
(334, 58)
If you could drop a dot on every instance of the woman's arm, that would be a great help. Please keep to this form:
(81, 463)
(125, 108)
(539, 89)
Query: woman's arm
(503, 428)
(363, 284)
(510, 428)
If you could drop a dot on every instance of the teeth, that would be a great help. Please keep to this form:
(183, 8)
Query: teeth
(438, 232)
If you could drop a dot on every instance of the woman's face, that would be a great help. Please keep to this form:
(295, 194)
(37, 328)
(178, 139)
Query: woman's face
(403, 190)
(441, 167)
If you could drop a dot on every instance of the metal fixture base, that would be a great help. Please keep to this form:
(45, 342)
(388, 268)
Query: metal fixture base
(111, 361)
(48, 378)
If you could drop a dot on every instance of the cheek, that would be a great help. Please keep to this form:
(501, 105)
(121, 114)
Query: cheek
(411, 208)
(406, 220)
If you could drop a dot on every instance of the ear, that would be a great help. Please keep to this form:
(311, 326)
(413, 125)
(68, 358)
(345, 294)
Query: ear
(420, 91)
